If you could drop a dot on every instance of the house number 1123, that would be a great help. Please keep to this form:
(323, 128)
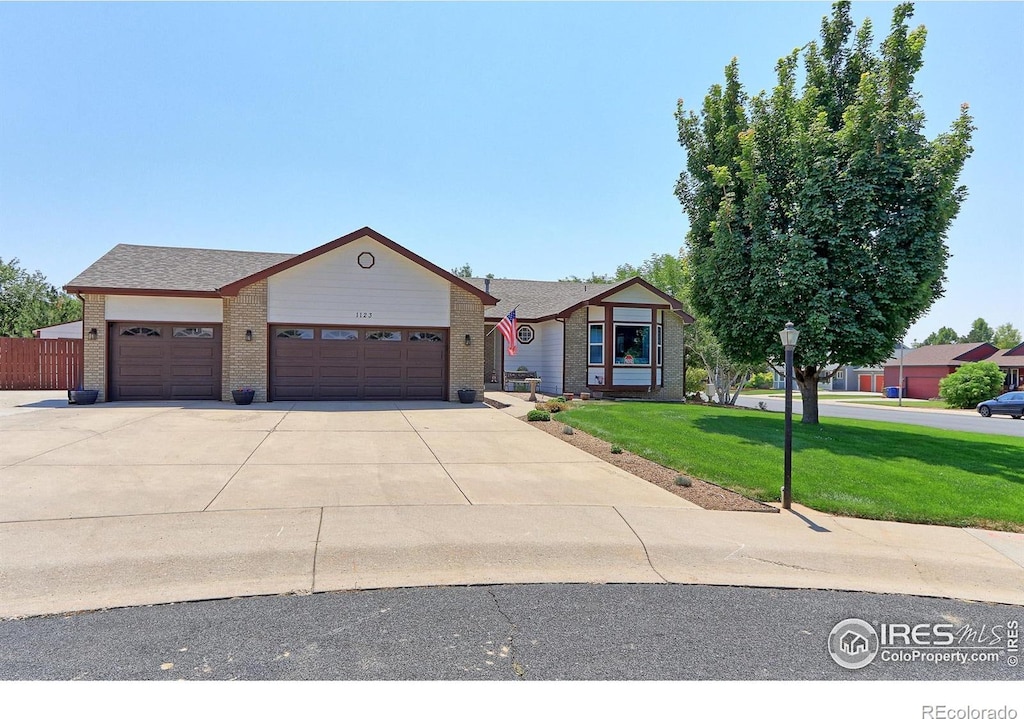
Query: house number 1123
(363, 315)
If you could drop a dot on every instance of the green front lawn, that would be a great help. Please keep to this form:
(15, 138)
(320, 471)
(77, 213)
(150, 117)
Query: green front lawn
(878, 470)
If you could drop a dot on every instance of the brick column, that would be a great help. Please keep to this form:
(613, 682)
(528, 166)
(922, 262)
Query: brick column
(576, 352)
(94, 351)
(244, 364)
(465, 362)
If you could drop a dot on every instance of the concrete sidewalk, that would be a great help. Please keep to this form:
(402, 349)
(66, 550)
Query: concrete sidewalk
(132, 504)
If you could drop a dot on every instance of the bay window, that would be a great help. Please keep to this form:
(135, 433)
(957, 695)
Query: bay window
(632, 344)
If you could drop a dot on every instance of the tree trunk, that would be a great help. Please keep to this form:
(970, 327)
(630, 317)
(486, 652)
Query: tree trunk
(806, 379)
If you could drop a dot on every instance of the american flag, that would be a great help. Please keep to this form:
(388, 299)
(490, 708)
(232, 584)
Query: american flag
(507, 327)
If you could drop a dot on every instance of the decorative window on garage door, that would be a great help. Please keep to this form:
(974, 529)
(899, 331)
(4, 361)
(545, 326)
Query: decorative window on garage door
(425, 337)
(384, 336)
(140, 332)
(205, 333)
(339, 334)
(295, 334)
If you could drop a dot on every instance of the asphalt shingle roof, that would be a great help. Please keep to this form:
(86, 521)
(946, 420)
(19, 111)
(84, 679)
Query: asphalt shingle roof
(534, 299)
(935, 355)
(1003, 359)
(182, 269)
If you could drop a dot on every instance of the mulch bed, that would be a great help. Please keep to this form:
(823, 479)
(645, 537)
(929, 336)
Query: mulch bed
(703, 494)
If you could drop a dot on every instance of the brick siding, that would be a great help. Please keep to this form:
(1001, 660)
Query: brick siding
(244, 363)
(577, 349)
(576, 352)
(94, 351)
(465, 362)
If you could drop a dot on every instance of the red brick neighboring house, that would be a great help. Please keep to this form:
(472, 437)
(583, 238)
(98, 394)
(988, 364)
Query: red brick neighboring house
(925, 366)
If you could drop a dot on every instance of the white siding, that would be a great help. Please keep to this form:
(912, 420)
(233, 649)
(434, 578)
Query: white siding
(633, 314)
(164, 309)
(631, 376)
(636, 294)
(68, 330)
(334, 289)
(595, 314)
(543, 355)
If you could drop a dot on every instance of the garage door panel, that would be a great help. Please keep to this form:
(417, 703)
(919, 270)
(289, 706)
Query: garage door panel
(149, 349)
(338, 392)
(375, 374)
(342, 363)
(341, 351)
(350, 372)
(197, 371)
(294, 371)
(383, 354)
(153, 390)
(185, 354)
(158, 365)
(425, 373)
(424, 354)
(430, 391)
(202, 390)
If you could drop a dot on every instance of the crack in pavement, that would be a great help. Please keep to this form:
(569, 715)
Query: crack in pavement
(518, 668)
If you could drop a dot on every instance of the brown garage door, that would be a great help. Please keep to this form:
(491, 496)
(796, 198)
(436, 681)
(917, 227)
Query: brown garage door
(164, 361)
(337, 363)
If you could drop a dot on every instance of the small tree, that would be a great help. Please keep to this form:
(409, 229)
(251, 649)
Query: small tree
(464, 271)
(974, 382)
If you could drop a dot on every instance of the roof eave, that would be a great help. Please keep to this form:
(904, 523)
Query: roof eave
(143, 291)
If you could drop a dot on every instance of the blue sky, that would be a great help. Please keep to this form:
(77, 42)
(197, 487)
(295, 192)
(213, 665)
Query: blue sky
(531, 140)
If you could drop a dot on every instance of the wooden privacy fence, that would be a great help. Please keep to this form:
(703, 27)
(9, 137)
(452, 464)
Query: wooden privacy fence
(28, 363)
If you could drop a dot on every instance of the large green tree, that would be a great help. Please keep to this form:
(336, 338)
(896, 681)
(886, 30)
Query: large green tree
(941, 336)
(823, 205)
(1006, 336)
(28, 301)
(980, 332)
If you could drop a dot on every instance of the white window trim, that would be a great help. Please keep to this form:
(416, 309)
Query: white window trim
(595, 344)
(615, 327)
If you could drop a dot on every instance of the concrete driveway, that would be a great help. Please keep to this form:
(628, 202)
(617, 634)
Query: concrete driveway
(123, 504)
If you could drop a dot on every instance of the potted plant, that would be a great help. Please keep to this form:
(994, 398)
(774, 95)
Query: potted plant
(243, 395)
(82, 396)
(467, 395)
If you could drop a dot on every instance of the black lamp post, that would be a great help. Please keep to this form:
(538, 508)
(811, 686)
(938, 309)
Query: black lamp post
(789, 336)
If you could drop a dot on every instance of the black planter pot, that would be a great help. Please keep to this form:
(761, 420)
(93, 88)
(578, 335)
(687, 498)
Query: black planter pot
(83, 396)
(467, 396)
(241, 397)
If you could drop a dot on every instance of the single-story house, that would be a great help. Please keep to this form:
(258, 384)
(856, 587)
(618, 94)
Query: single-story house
(924, 366)
(359, 317)
(1011, 362)
(64, 330)
(623, 339)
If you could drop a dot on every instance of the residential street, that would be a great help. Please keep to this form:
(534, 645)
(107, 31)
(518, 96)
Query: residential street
(940, 419)
(533, 632)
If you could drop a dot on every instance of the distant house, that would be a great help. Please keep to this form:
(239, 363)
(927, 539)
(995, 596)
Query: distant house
(847, 378)
(923, 367)
(1011, 362)
(65, 330)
